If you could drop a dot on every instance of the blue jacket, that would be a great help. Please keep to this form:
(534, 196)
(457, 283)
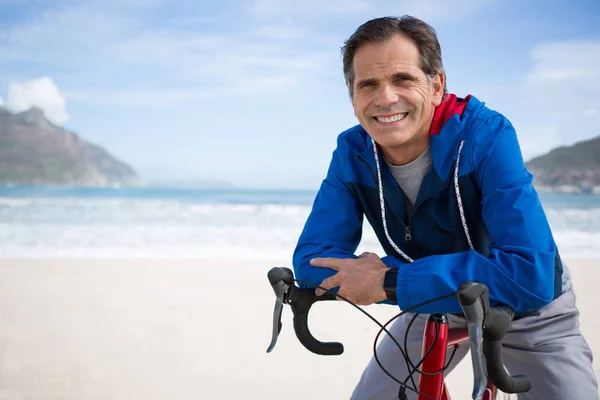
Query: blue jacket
(513, 253)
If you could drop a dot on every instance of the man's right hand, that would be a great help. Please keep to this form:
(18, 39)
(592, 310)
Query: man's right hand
(360, 280)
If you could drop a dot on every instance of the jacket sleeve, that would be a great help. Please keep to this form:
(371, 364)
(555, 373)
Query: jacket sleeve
(519, 270)
(333, 227)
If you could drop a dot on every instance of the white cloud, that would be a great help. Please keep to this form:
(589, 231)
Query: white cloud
(235, 58)
(269, 8)
(563, 88)
(118, 48)
(1, 102)
(157, 98)
(42, 93)
(566, 63)
(65, 36)
(557, 100)
(428, 10)
(279, 32)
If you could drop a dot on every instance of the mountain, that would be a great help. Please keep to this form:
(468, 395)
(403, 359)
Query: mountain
(571, 168)
(33, 151)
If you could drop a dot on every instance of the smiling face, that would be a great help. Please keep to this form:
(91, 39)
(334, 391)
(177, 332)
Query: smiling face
(393, 99)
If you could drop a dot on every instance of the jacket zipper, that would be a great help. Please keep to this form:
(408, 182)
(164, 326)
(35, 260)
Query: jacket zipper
(407, 230)
(423, 201)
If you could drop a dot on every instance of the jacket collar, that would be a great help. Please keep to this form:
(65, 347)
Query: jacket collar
(445, 137)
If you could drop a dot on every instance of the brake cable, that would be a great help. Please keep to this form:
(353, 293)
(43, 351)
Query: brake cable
(383, 329)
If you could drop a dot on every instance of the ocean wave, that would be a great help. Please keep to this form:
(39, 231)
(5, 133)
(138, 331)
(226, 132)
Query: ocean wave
(171, 228)
(574, 219)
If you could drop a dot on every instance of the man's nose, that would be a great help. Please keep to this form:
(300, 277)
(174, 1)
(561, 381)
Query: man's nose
(387, 96)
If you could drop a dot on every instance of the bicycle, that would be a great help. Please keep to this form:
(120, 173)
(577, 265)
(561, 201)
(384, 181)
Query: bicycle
(486, 328)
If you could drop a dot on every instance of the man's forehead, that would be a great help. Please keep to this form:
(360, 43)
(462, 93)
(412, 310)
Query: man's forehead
(385, 70)
(397, 54)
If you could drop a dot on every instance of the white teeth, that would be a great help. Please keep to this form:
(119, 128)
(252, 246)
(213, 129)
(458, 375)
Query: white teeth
(391, 119)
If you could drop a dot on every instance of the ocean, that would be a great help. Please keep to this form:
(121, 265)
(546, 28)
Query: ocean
(50, 222)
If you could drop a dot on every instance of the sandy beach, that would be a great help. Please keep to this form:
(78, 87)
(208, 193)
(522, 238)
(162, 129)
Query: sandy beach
(102, 329)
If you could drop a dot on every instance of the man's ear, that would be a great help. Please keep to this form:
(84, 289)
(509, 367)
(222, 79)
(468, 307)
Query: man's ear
(438, 84)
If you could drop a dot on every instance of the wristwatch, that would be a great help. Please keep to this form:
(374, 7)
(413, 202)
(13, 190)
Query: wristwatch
(389, 284)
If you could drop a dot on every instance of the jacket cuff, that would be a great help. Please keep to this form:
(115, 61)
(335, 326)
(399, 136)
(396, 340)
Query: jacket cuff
(401, 287)
(393, 262)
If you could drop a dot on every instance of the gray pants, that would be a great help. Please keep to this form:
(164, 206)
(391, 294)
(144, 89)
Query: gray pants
(547, 347)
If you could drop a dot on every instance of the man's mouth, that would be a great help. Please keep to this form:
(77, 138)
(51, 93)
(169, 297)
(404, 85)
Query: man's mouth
(392, 118)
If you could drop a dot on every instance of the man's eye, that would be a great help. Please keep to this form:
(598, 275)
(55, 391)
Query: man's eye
(367, 85)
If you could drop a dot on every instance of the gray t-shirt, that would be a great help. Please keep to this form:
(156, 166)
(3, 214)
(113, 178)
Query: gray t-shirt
(410, 176)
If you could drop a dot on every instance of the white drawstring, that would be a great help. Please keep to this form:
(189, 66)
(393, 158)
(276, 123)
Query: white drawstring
(459, 199)
(382, 202)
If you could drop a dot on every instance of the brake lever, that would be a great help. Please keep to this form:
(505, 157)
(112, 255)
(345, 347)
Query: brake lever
(276, 323)
(474, 302)
(479, 369)
(300, 300)
(281, 280)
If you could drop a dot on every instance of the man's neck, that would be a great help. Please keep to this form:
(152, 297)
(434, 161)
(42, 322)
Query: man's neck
(407, 153)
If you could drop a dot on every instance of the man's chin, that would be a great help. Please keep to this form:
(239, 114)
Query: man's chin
(390, 139)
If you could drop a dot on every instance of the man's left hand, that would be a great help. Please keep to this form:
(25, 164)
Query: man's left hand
(360, 280)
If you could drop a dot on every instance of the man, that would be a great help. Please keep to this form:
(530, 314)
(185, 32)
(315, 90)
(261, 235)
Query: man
(442, 181)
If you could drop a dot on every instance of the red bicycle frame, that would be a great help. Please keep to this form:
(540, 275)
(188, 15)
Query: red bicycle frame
(438, 335)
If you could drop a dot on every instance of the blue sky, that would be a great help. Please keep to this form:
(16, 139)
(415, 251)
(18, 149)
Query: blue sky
(252, 91)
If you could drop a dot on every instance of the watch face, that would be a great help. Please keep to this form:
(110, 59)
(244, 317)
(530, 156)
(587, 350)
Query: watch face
(389, 284)
(390, 280)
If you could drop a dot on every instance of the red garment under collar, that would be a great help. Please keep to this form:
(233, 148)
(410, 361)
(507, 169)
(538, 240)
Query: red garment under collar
(447, 108)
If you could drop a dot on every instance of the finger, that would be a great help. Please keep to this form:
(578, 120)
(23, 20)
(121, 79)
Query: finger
(367, 254)
(328, 283)
(327, 262)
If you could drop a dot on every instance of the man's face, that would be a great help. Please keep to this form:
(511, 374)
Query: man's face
(393, 99)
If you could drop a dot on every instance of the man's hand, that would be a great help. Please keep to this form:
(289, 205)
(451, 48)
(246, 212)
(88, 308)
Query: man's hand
(360, 280)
